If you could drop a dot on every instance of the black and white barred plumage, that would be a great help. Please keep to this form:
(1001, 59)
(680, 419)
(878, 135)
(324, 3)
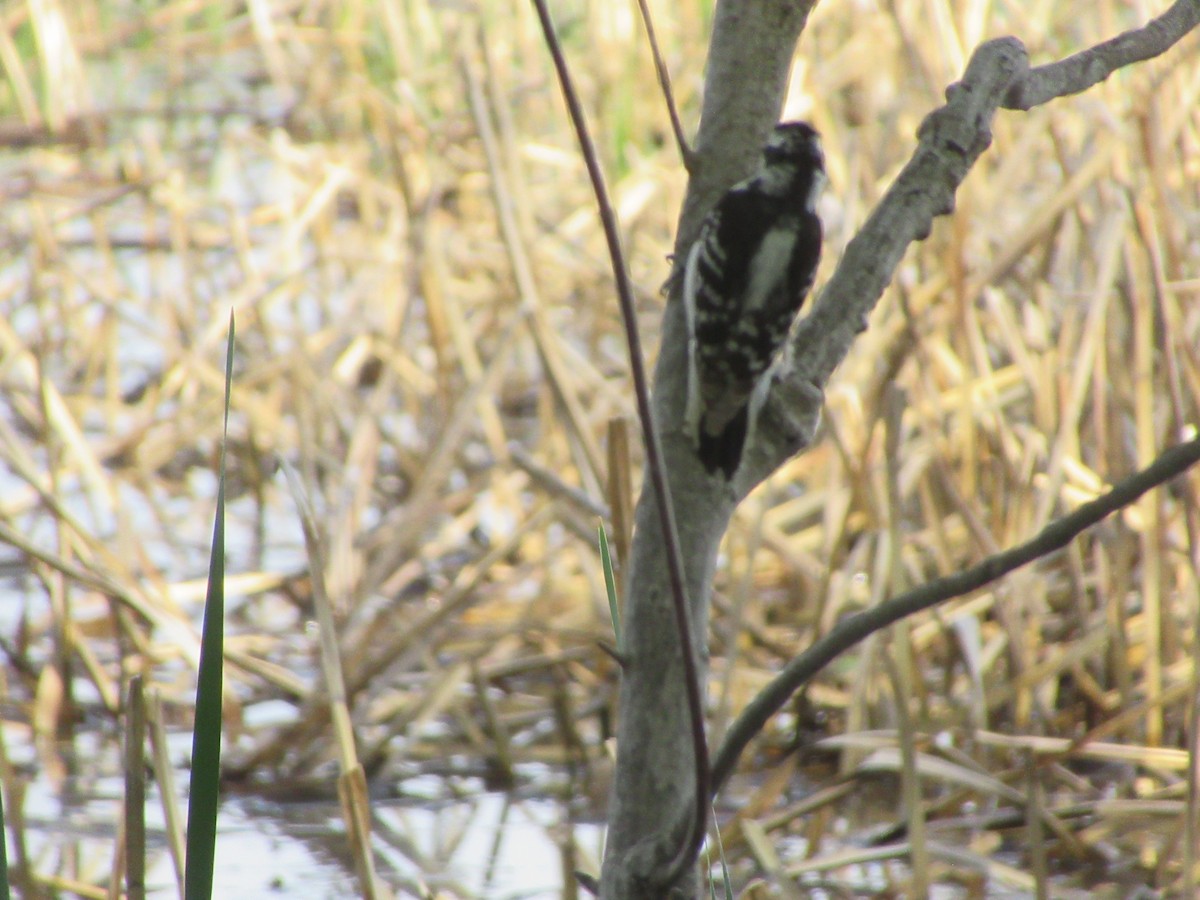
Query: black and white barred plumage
(745, 279)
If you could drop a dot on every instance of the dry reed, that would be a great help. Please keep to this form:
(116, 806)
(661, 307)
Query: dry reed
(388, 196)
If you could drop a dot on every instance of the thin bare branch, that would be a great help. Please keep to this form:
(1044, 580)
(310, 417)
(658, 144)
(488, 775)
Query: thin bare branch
(664, 81)
(1083, 70)
(850, 631)
(654, 453)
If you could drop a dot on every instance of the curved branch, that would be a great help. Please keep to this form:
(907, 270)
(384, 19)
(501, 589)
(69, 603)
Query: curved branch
(1083, 70)
(656, 465)
(951, 139)
(853, 629)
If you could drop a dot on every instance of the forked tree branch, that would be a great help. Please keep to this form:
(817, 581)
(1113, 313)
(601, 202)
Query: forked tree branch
(746, 74)
(951, 139)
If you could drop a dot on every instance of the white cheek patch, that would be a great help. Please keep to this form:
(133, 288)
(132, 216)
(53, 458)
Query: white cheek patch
(814, 193)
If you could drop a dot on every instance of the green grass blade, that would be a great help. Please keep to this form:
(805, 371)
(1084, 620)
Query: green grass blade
(206, 736)
(726, 882)
(610, 584)
(4, 895)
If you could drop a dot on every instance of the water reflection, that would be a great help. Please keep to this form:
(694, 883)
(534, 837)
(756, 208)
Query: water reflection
(481, 845)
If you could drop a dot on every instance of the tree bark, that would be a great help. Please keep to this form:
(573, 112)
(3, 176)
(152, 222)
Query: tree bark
(651, 806)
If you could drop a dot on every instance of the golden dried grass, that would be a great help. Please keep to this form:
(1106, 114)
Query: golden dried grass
(389, 198)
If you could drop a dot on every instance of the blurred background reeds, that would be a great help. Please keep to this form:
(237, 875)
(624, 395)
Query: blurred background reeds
(388, 196)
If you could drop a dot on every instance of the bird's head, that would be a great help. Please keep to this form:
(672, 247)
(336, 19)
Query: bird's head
(795, 144)
(794, 163)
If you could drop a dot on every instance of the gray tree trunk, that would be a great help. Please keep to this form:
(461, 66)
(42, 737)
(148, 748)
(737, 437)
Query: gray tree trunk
(650, 810)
